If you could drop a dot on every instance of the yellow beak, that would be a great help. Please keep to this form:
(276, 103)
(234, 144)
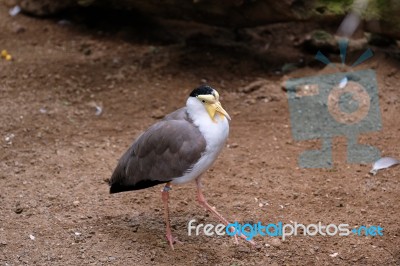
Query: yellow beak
(213, 108)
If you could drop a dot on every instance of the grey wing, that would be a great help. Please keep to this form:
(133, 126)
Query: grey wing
(179, 114)
(165, 151)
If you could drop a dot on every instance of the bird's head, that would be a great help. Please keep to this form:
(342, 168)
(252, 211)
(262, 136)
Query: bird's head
(209, 98)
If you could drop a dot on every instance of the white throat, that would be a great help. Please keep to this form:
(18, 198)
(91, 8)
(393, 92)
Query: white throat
(198, 113)
(215, 133)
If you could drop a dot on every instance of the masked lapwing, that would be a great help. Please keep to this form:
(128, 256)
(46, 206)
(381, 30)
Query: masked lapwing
(176, 150)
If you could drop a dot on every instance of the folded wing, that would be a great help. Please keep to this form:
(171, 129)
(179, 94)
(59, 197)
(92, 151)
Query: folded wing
(165, 151)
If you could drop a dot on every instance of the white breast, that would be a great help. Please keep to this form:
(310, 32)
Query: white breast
(215, 134)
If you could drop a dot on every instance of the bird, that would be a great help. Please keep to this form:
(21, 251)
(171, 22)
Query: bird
(176, 150)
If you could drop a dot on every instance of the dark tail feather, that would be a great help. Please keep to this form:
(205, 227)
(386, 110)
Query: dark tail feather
(120, 182)
(117, 187)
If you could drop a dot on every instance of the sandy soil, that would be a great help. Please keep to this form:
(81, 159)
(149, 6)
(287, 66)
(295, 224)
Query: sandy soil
(56, 154)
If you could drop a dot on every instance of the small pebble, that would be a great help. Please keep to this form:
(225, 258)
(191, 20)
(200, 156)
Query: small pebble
(43, 110)
(275, 242)
(157, 114)
(233, 145)
(18, 210)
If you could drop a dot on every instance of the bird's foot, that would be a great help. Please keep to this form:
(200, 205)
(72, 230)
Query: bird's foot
(172, 240)
(244, 237)
(203, 202)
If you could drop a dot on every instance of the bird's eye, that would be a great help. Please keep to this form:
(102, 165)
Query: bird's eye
(203, 101)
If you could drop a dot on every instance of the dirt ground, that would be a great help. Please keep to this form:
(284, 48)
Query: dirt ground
(56, 153)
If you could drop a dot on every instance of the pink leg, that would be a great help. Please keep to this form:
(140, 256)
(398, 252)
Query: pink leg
(165, 199)
(203, 202)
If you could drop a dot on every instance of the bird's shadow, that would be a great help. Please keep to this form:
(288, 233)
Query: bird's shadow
(144, 228)
(148, 228)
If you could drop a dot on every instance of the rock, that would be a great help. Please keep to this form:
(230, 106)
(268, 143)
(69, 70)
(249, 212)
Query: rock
(220, 13)
(380, 18)
(250, 101)
(256, 85)
(320, 40)
(233, 145)
(340, 205)
(76, 203)
(44, 7)
(157, 114)
(275, 242)
(18, 208)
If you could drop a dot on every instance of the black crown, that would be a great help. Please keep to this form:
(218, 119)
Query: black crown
(202, 90)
